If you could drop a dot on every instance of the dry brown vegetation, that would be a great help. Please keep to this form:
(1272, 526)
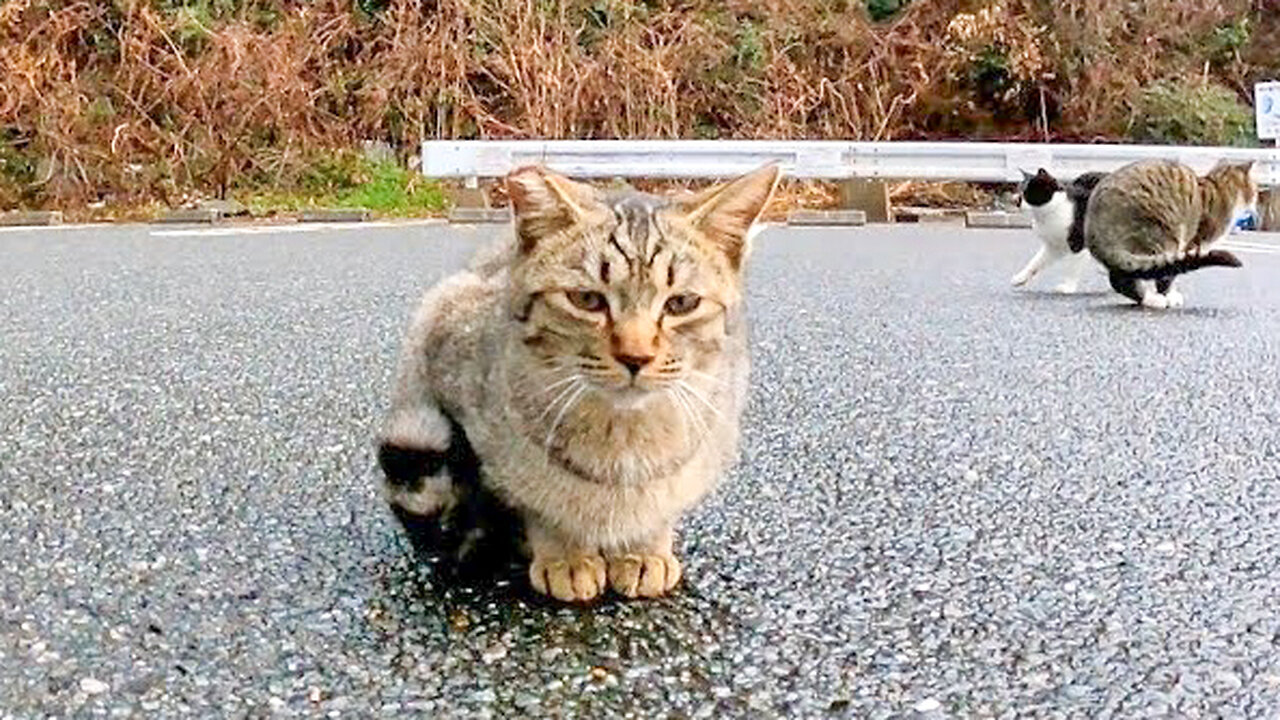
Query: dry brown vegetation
(134, 100)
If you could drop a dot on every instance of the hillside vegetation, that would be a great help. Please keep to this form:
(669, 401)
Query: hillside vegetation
(129, 101)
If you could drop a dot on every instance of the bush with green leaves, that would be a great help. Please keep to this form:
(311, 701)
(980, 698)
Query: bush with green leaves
(1192, 112)
(885, 9)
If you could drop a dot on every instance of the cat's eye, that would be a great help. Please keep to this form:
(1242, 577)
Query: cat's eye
(589, 300)
(682, 304)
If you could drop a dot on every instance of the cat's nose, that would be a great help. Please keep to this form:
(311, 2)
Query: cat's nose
(634, 363)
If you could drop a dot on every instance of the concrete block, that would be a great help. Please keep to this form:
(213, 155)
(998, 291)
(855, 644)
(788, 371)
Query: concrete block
(479, 215)
(334, 216)
(190, 215)
(996, 220)
(827, 217)
(31, 217)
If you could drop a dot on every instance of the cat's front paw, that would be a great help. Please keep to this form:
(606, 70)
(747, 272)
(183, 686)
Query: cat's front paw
(1174, 298)
(1155, 301)
(649, 576)
(1020, 279)
(1066, 288)
(574, 579)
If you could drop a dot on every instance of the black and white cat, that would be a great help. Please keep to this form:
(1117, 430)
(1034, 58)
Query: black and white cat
(1057, 218)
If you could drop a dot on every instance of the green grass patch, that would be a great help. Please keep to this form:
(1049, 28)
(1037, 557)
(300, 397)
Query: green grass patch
(349, 181)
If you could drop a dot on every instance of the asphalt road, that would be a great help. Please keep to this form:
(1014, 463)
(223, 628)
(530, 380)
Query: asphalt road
(955, 499)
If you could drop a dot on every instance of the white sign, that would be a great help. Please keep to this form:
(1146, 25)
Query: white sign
(1266, 103)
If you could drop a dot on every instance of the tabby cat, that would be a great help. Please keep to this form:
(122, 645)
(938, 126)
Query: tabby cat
(1057, 218)
(588, 381)
(1152, 220)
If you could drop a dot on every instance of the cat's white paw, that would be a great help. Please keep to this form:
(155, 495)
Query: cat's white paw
(1155, 301)
(1067, 288)
(1021, 279)
(1174, 298)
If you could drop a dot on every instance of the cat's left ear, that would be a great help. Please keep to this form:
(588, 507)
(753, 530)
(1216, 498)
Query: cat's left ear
(725, 214)
(543, 202)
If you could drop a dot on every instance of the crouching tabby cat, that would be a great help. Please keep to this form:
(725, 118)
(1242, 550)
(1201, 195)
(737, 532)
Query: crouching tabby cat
(589, 382)
(1152, 220)
(1057, 218)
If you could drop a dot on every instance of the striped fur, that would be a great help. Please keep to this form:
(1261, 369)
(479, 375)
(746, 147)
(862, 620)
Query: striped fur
(1155, 219)
(597, 368)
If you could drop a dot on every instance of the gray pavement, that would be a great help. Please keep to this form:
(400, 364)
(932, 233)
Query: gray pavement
(955, 499)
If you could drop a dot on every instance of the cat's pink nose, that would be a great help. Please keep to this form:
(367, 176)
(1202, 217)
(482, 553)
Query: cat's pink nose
(634, 363)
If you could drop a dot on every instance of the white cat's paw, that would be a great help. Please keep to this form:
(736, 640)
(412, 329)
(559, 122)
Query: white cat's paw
(1174, 298)
(1067, 288)
(1020, 279)
(1155, 301)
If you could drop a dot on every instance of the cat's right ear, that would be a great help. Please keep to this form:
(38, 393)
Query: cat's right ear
(543, 203)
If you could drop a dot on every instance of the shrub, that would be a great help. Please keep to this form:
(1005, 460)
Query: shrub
(1193, 113)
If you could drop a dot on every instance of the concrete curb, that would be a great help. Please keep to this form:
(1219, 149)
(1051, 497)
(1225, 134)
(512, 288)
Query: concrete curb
(479, 215)
(348, 215)
(933, 216)
(190, 215)
(996, 220)
(30, 217)
(827, 217)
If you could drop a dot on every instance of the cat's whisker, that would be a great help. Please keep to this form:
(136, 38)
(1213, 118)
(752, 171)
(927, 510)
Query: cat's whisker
(699, 425)
(573, 400)
(561, 382)
(713, 380)
(701, 398)
(564, 392)
(679, 403)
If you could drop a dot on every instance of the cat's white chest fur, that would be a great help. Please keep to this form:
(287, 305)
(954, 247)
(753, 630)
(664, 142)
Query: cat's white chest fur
(1052, 221)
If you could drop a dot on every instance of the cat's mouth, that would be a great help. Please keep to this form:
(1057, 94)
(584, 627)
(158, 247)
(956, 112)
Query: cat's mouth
(631, 396)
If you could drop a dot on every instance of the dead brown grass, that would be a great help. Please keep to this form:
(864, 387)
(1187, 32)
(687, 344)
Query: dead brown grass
(136, 100)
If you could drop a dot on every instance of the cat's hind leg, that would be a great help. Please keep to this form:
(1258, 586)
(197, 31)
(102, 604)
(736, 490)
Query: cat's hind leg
(1138, 290)
(1164, 286)
(1034, 266)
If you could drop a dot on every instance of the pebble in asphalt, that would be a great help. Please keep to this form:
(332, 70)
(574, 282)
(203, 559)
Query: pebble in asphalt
(954, 500)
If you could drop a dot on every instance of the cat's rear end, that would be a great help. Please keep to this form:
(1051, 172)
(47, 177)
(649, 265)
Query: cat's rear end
(1151, 221)
(1155, 219)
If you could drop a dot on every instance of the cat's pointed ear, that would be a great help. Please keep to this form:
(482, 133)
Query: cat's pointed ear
(543, 202)
(1042, 173)
(725, 213)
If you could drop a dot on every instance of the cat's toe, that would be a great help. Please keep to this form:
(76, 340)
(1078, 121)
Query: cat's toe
(1020, 279)
(647, 576)
(1174, 299)
(576, 579)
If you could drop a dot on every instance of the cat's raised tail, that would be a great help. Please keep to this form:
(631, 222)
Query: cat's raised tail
(1185, 263)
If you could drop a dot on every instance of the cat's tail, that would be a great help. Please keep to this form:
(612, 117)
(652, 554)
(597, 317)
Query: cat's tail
(432, 483)
(1178, 263)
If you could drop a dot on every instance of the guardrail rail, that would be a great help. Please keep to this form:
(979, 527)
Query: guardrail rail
(473, 160)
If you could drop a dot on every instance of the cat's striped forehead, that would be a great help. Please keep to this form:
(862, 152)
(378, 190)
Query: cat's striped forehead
(638, 236)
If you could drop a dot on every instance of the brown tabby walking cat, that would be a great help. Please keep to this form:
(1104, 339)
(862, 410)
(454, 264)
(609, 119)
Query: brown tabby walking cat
(1150, 221)
(590, 380)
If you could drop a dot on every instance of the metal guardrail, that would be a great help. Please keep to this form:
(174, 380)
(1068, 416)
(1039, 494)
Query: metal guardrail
(825, 159)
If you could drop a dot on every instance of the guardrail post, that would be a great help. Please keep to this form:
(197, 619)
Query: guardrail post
(470, 195)
(869, 196)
